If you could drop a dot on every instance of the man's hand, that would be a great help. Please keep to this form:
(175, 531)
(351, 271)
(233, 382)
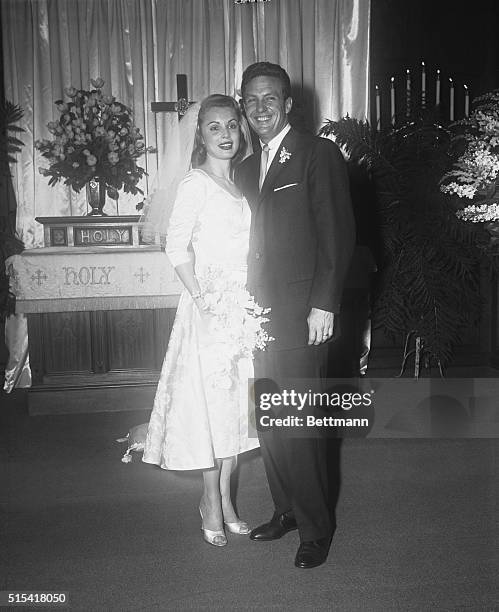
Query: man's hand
(320, 326)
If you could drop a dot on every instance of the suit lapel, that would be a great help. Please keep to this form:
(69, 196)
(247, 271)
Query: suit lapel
(278, 163)
(252, 173)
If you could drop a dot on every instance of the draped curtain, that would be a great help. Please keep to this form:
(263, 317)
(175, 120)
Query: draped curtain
(138, 47)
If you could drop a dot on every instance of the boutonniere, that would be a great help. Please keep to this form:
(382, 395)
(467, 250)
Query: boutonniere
(284, 156)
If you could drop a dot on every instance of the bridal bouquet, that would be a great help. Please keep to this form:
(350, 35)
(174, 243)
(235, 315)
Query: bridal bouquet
(475, 175)
(236, 323)
(94, 138)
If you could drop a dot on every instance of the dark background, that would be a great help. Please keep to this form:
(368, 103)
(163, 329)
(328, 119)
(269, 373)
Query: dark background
(458, 37)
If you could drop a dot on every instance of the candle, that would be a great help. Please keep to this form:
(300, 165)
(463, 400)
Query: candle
(408, 93)
(466, 101)
(437, 89)
(378, 109)
(423, 84)
(392, 99)
(451, 100)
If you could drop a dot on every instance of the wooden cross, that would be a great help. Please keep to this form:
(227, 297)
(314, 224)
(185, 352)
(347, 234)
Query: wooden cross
(182, 103)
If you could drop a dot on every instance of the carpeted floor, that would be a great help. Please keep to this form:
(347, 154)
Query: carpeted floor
(417, 526)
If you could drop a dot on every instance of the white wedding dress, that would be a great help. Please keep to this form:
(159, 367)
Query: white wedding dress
(198, 415)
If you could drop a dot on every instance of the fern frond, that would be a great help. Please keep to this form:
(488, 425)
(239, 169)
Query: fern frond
(9, 114)
(430, 272)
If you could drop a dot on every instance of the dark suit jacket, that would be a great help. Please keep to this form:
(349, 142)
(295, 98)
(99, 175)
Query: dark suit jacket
(302, 233)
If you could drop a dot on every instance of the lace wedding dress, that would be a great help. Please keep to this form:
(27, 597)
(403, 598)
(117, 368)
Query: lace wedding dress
(199, 414)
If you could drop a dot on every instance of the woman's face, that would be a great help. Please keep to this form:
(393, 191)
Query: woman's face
(220, 132)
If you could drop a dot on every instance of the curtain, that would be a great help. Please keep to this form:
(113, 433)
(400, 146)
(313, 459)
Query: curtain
(138, 47)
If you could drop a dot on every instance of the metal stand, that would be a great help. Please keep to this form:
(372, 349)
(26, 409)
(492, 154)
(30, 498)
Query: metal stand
(421, 354)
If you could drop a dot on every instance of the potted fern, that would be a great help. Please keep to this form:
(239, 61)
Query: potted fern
(429, 274)
(10, 114)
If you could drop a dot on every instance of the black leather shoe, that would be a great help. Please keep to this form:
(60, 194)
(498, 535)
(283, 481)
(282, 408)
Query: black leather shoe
(278, 526)
(312, 554)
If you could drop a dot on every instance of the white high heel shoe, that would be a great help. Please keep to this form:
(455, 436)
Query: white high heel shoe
(215, 538)
(238, 527)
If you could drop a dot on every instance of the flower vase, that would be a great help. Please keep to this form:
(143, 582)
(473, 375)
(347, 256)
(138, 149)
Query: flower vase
(96, 197)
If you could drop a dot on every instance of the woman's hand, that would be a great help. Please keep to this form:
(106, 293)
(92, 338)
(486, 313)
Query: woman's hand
(200, 303)
(206, 317)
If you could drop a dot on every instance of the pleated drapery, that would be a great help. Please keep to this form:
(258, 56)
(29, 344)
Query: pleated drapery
(138, 47)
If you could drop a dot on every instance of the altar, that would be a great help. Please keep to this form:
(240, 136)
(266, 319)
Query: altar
(100, 306)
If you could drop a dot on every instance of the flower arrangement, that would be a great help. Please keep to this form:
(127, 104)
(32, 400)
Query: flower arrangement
(235, 325)
(284, 156)
(475, 175)
(95, 138)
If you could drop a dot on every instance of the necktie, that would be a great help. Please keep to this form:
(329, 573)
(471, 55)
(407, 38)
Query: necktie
(263, 165)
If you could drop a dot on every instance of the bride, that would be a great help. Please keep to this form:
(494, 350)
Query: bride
(200, 414)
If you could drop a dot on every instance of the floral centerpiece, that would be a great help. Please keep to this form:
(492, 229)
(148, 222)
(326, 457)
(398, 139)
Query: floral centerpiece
(95, 140)
(235, 323)
(475, 174)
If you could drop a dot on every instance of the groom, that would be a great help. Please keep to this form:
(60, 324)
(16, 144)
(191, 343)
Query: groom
(301, 241)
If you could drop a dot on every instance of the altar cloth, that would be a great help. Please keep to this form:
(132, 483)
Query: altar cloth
(97, 278)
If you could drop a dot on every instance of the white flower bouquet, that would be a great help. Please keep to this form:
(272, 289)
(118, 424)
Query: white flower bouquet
(475, 175)
(94, 138)
(235, 323)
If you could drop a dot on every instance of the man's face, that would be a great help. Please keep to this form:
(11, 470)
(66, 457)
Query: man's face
(265, 106)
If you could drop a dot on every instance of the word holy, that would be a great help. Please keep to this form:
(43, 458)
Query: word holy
(91, 275)
(102, 235)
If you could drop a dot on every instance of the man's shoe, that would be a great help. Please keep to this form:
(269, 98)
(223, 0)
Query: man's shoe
(312, 554)
(278, 526)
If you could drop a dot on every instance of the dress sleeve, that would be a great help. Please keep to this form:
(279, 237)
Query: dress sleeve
(190, 199)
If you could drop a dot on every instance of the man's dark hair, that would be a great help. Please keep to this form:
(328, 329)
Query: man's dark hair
(270, 70)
